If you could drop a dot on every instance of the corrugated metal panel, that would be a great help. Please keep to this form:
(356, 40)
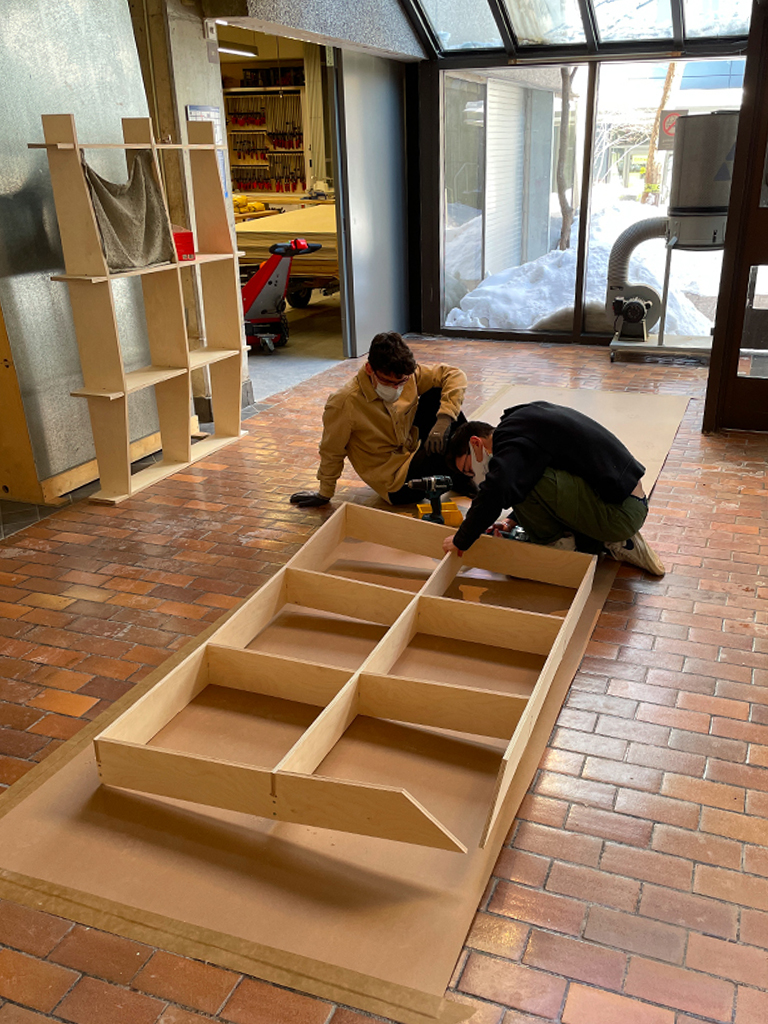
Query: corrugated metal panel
(505, 156)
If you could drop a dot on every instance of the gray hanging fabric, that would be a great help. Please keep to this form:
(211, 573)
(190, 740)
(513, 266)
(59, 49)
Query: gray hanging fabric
(132, 220)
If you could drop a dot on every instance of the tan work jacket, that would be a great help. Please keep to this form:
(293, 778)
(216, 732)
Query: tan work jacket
(378, 437)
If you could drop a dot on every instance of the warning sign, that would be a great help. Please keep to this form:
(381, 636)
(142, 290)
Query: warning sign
(667, 128)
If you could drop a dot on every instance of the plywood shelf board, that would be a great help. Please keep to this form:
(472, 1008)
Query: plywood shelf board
(205, 356)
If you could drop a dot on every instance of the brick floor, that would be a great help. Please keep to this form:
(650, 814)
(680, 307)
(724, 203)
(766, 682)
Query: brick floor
(634, 884)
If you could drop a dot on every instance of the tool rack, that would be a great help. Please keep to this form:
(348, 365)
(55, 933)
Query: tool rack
(265, 131)
(107, 385)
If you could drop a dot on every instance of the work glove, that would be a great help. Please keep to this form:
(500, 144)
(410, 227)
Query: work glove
(308, 499)
(438, 435)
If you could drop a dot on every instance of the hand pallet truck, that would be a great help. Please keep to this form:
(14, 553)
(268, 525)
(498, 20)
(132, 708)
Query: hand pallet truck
(266, 325)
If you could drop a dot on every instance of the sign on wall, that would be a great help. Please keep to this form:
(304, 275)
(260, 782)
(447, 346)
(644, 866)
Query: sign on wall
(667, 128)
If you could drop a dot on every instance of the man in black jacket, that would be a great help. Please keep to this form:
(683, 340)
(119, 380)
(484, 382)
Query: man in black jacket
(563, 475)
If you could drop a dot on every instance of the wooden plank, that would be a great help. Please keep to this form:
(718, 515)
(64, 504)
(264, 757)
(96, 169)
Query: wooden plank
(252, 616)
(402, 532)
(226, 392)
(317, 552)
(109, 423)
(137, 481)
(164, 701)
(274, 675)
(204, 356)
(441, 578)
(364, 809)
(166, 319)
(18, 473)
(180, 776)
(342, 596)
(213, 234)
(488, 624)
(527, 561)
(305, 755)
(71, 479)
(393, 643)
(521, 737)
(440, 706)
(98, 339)
(222, 304)
(173, 398)
(147, 376)
(80, 238)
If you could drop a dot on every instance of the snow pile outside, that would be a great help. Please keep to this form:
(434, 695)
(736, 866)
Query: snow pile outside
(516, 298)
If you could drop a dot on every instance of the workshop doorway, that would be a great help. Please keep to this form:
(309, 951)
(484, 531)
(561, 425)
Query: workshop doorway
(278, 100)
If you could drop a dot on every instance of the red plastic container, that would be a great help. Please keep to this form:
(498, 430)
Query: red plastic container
(185, 244)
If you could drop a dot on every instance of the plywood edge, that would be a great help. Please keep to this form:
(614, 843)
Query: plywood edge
(325, 981)
(509, 628)
(367, 601)
(379, 526)
(69, 480)
(465, 709)
(528, 561)
(274, 675)
(254, 613)
(316, 552)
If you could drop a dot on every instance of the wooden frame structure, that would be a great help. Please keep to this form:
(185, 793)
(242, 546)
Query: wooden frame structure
(319, 579)
(107, 385)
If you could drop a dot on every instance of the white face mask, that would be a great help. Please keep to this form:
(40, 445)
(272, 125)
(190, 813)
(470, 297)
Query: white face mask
(387, 393)
(480, 469)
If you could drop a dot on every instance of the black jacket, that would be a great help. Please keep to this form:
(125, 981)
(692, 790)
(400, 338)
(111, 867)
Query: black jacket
(529, 439)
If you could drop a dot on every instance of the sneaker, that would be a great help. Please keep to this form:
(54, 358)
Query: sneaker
(636, 551)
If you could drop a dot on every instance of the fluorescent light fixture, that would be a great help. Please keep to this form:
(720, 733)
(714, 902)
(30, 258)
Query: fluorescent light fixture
(238, 53)
(221, 21)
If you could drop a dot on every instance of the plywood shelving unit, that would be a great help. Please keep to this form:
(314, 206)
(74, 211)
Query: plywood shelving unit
(107, 385)
(368, 621)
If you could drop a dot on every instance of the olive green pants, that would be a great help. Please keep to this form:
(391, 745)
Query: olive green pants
(563, 503)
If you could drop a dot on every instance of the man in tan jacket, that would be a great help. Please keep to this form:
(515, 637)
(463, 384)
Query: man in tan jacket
(392, 422)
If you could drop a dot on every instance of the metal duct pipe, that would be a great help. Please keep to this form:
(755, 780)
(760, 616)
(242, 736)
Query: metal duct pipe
(618, 269)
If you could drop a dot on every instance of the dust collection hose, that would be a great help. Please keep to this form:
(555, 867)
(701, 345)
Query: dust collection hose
(618, 265)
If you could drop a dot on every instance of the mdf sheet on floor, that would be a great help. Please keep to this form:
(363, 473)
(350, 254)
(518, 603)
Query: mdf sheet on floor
(370, 922)
(646, 424)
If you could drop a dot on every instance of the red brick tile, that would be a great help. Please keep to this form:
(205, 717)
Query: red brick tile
(731, 960)
(31, 931)
(634, 692)
(566, 787)
(657, 808)
(554, 912)
(10, 1014)
(95, 1002)
(647, 865)
(175, 1015)
(609, 825)
(513, 985)
(751, 1006)
(255, 1002)
(754, 928)
(498, 936)
(699, 791)
(57, 726)
(63, 703)
(12, 769)
(542, 810)
(107, 956)
(639, 732)
(731, 887)
(678, 718)
(697, 846)
(591, 1006)
(636, 934)
(738, 775)
(758, 755)
(742, 827)
(756, 860)
(189, 982)
(748, 731)
(601, 703)
(688, 911)
(484, 1013)
(551, 842)
(757, 803)
(588, 743)
(714, 705)
(622, 774)
(593, 886)
(518, 866)
(564, 762)
(709, 746)
(667, 760)
(31, 982)
(582, 961)
(680, 988)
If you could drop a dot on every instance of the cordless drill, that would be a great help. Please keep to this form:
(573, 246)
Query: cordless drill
(434, 486)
